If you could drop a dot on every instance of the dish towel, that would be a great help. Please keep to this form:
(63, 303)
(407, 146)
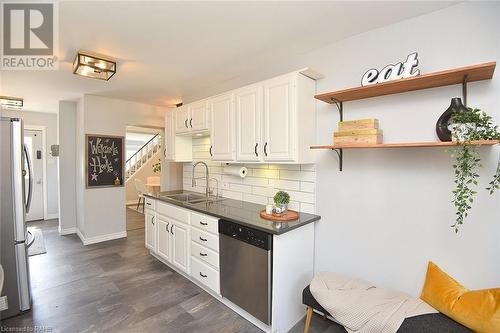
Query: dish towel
(363, 308)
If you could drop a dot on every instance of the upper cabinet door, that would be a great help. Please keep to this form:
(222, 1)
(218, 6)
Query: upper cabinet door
(198, 120)
(182, 119)
(248, 109)
(221, 133)
(279, 119)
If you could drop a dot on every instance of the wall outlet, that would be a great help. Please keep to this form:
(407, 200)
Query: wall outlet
(4, 305)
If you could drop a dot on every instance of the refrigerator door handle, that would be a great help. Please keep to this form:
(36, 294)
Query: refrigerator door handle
(30, 177)
(31, 238)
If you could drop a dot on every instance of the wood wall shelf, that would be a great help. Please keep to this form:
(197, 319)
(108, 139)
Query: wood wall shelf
(407, 145)
(431, 80)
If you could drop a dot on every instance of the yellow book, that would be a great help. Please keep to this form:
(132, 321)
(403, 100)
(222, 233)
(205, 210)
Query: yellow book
(368, 131)
(351, 125)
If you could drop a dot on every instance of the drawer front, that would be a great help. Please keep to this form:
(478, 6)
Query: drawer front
(174, 212)
(205, 274)
(206, 239)
(205, 222)
(205, 254)
(149, 203)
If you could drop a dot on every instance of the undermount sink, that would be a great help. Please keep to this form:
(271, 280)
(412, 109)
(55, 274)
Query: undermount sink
(190, 197)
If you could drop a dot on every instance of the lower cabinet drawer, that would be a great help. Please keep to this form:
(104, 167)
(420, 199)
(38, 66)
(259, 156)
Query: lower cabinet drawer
(205, 254)
(205, 274)
(206, 239)
(149, 203)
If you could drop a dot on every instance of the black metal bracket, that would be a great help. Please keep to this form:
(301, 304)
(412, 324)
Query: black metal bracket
(340, 154)
(340, 107)
(339, 151)
(464, 89)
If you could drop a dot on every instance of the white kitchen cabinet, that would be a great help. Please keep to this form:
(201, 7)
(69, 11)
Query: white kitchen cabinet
(248, 110)
(222, 128)
(163, 237)
(182, 119)
(150, 230)
(180, 245)
(280, 125)
(198, 116)
(177, 148)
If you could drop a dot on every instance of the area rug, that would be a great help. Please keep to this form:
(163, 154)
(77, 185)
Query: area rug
(38, 246)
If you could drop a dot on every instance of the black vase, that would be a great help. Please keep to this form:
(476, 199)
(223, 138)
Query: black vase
(443, 123)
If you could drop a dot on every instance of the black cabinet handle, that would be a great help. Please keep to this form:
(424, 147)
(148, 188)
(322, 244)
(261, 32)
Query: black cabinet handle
(203, 239)
(191, 122)
(186, 123)
(256, 154)
(167, 226)
(203, 223)
(203, 254)
(203, 275)
(172, 229)
(148, 203)
(165, 152)
(152, 220)
(211, 151)
(265, 149)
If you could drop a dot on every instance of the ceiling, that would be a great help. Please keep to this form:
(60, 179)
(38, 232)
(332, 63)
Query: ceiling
(169, 51)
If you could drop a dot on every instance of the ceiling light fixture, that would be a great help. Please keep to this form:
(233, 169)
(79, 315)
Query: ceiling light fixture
(93, 66)
(13, 103)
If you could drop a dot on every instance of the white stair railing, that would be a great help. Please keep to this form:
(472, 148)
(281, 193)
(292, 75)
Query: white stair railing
(143, 155)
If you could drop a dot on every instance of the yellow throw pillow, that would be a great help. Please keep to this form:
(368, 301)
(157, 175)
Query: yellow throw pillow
(479, 310)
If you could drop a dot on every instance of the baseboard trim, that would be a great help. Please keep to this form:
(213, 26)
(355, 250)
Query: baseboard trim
(100, 239)
(67, 231)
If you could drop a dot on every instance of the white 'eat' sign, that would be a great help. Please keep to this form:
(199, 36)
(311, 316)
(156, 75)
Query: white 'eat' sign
(392, 72)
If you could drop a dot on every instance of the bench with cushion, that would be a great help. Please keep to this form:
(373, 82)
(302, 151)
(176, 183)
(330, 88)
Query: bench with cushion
(428, 323)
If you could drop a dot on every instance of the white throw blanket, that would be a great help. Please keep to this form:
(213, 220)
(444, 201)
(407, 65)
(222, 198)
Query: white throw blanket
(361, 307)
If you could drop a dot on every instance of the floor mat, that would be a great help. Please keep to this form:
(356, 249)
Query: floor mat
(38, 246)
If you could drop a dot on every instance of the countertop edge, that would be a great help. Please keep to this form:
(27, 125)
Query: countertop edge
(313, 219)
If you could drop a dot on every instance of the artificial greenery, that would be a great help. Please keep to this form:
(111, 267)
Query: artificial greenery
(467, 127)
(157, 166)
(281, 198)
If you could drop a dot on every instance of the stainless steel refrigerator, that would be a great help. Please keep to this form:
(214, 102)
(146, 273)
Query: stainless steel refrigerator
(15, 173)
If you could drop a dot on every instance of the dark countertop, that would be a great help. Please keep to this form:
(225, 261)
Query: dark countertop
(241, 212)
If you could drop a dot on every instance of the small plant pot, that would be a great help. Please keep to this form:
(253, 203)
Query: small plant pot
(460, 132)
(281, 208)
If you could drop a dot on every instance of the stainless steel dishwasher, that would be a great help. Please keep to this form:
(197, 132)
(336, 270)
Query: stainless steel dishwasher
(246, 268)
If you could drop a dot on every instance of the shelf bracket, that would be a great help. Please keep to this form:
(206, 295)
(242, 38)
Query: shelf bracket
(340, 107)
(464, 89)
(340, 154)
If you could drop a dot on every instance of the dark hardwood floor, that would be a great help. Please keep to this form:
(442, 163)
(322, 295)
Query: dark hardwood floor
(135, 219)
(117, 286)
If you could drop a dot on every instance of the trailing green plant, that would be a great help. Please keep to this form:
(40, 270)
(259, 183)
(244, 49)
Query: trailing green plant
(157, 166)
(467, 127)
(281, 198)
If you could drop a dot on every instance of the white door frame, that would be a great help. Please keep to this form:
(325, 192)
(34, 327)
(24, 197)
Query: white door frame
(43, 129)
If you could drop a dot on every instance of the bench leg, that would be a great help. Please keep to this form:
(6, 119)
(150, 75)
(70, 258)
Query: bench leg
(308, 319)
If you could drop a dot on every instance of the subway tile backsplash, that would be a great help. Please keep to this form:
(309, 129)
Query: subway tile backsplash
(262, 181)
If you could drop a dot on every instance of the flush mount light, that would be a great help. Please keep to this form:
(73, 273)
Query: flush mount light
(14, 103)
(93, 66)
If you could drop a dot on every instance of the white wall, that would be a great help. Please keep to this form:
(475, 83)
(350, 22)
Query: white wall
(390, 211)
(67, 166)
(102, 211)
(49, 120)
(262, 181)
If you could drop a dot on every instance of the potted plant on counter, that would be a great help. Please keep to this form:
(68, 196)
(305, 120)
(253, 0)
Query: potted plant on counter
(281, 201)
(469, 126)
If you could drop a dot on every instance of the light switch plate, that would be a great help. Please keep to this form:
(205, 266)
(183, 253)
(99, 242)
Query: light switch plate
(4, 305)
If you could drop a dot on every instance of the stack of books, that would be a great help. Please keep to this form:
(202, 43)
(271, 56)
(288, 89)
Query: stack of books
(360, 131)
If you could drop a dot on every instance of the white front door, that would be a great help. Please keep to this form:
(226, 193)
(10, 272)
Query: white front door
(33, 141)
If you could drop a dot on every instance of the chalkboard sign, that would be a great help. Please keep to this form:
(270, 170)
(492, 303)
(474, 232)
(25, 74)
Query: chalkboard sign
(105, 160)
